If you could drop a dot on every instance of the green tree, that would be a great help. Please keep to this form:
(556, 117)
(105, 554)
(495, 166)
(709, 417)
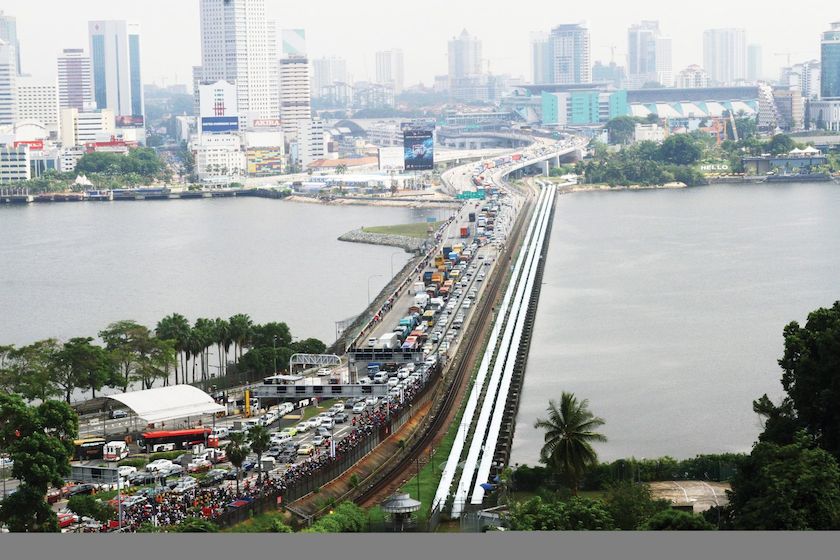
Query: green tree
(40, 442)
(674, 520)
(176, 327)
(195, 525)
(237, 452)
(241, 331)
(30, 370)
(786, 487)
(126, 341)
(569, 433)
(259, 438)
(81, 364)
(781, 144)
(309, 346)
(263, 336)
(631, 504)
(577, 514)
(621, 130)
(154, 360)
(90, 506)
(680, 149)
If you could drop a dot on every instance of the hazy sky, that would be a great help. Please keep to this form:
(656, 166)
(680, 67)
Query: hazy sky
(357, 29)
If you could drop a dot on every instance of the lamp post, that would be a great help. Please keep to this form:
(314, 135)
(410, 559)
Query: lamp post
(275, 354)
(368, 285)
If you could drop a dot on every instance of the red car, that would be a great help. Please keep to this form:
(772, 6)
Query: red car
(67, 519)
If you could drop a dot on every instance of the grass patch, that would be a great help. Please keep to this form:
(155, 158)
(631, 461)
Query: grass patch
(418, 230)
(271, 522)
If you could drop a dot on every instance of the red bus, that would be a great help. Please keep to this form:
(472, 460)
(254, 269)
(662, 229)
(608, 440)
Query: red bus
(170, 440)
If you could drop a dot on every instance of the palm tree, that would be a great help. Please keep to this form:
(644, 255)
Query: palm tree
(176, 327)
(260, 439)
(241, 330)
(206, 330)
(221, 332)
(237, 452)
(569, 432)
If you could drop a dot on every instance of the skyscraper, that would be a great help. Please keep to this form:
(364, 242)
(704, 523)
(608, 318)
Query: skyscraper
(725, 55)
(648, 55)
(295, 94)
(464, 56)
(830, 63)
(326, 72)
(570, 54)
(75, 86)
(390, 69)
(8, 33)
(8, 84)
(115, 56)
(755, 63)
(37, 100)
(239, 45)
(540, 59)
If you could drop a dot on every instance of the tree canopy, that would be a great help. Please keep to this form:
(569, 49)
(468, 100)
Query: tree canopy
(576, 514)
(674, 520)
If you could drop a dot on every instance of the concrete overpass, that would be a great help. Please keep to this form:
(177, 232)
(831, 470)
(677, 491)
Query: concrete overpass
(481, 140)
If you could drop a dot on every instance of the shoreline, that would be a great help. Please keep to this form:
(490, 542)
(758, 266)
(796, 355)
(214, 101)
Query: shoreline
(409, 244)
(396, 202)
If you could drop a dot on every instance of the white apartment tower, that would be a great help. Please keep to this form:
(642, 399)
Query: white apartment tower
(75, 82)
(725, 55)
(239, 45)
(390, 69)
(571, 58)
(326, 72)
(464, 56)
(37, 100)
(8, 84)
(295, 94)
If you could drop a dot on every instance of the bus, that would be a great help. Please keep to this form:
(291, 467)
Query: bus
(171, 440)
(115, 451)
(88, 449)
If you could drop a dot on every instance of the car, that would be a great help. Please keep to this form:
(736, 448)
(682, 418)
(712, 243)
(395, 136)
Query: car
(174, 470)
(359, 407)
(81, 490)
(341, 418)
(302, 427)
(337, 407)
(318, 440)
(290, 431)
(371, 342)
(306, 449)
(480, 278)
(329, 413)
(322, 431)
(116, 414)
(365, 381)
(199, 465)
(184, 485)
(126, 471)
(232, 474)
(328, 423)
(323, 372)
(213, 478)
(143, 477)
(280, 438)
(248, 466)
(404, 373)
(134, 500)
(393, 382)
(66, 519)
(349, 403)
(159, 464)
(315, 421)
(372, 401)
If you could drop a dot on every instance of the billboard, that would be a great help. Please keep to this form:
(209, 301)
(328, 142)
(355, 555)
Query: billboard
(267, 123)
(129, 121)
(391, 159)
(219, 125)
(265, 162)
(34, 145)
(419, 146)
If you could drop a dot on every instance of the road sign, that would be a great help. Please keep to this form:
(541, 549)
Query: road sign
(94, 475)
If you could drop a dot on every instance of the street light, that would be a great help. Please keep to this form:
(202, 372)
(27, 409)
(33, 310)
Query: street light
(369, 279)
(275, 354)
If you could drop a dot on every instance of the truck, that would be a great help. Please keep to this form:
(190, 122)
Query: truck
(437, 278)
(472, 217)
(465, 232)
(427, 277)
(410, 343)
(390, 341)
(420, 287)
(421, 299)
(446, 251)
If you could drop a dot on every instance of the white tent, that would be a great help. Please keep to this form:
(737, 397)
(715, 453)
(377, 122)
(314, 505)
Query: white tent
(169, 403)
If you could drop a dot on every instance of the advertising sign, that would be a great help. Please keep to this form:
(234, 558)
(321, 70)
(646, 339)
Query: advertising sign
(34, 145)
(264, 162)
(391, 159)
(218, 125)
(267, 123)
(419, 146)
(129, 121)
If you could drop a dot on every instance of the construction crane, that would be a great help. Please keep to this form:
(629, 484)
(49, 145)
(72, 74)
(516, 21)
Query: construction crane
(787, 55)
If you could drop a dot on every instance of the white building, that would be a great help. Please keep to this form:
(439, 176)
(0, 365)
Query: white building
(385, 133)
(327, 72)
(218, 157)
(14, 164)
(295, 94)
(648, 55)
(692, 77)
(541, 63)
(649, 133)
(68, 158)
(116, 67)
(725, 55)
(75, 80)
(806, 76)
(390, 69)
(464, 56)
(218, 108)
(312, 142)
(239, 45)
(82, 127)
(37, 100)
(570, 54)
(8, 84)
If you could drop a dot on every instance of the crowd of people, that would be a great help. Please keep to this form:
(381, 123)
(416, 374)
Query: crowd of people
(167, 508)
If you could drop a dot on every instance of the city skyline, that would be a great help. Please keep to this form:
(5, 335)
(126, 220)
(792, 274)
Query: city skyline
(506, 41)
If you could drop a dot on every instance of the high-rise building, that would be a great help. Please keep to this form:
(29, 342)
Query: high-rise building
(239, 45)
(790, 106)
(570, 54)
(806, 76)
(115, 57)
(8, 84)
(725, 55)
(692, 77)
(8, 33)
(295, 93)
(75, 80)
(830, 63)
(312, 144)
(648, 55)
(327, 72)
(37, 100)
(612, 74)
(541, 63)
(464, 56)
(755, 63)
(390, 69)
(81, 127)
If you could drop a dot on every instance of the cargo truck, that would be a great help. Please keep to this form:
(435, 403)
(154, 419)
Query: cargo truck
(420, 287)
(472, 217)
(427, 277)
(465, 232)
(437, 278)
(390, 341)
(421, 299)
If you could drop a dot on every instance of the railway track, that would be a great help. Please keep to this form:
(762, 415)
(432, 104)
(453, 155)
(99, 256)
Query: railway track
(444, 416)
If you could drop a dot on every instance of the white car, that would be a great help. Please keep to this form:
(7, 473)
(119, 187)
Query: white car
(323, 372)
(160, 464)
(280, 438)
(185, 484)
(372, 401)
(318, 440)
(403, 374)
(327, 423)
(359, 407)
(303, 427)
(393, 382)
(337, 407)
(315, 421)
(126, 471)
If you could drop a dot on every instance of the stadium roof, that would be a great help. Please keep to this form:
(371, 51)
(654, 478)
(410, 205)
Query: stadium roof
(169, 403)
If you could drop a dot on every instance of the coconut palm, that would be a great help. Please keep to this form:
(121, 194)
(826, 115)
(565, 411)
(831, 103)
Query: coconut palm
(569, 433)
(221, 334)
(241, 330)
(260, 440)
(177, 328)
(237, 452)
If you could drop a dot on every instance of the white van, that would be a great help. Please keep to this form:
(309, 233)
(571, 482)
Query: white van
(220, 432)
(380, 378)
